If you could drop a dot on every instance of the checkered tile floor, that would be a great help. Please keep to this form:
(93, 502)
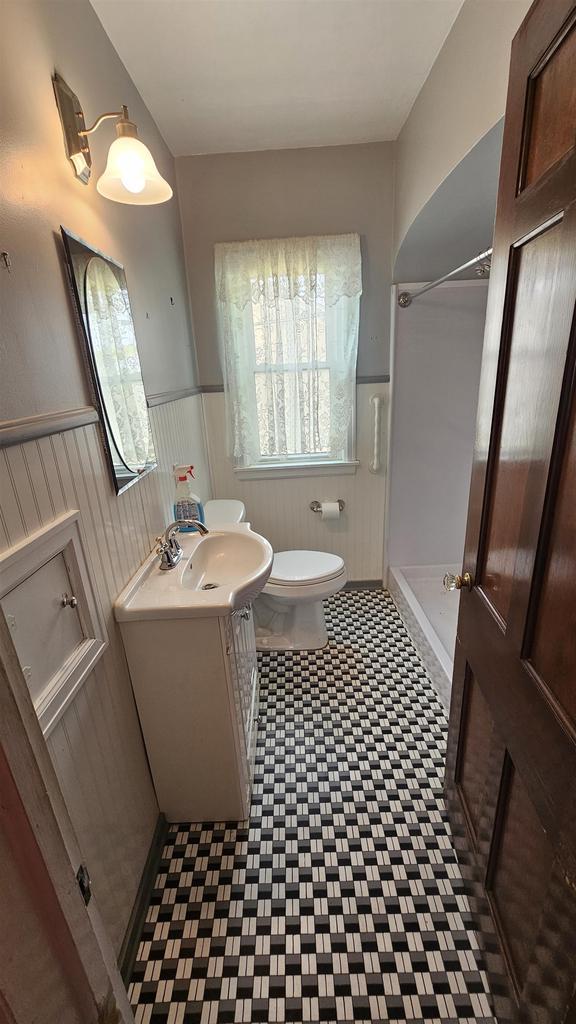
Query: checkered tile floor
(341, 899)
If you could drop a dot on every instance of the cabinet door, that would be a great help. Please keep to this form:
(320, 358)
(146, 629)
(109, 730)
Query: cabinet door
(244, 642)
(46, 632)
(230, 629)
(246, 670)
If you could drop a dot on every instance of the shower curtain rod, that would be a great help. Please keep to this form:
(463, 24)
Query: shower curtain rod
(482, 270)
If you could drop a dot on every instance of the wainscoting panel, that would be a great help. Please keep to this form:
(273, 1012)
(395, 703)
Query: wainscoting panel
(279, 508)
(97, 746)
(179, 434)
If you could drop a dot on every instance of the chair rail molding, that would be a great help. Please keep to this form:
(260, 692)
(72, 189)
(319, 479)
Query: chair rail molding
(30, 428)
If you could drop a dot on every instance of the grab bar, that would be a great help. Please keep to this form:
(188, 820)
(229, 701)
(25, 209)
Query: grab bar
(377, 402)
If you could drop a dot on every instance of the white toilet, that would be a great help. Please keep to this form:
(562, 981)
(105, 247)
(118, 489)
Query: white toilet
(288, 614)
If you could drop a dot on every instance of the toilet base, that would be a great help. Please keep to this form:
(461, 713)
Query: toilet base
(281, 626)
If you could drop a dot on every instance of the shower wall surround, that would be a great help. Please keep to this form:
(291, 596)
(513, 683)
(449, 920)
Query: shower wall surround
(437, 351)
(437, 355)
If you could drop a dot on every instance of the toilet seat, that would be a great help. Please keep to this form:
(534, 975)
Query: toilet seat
(304, 568)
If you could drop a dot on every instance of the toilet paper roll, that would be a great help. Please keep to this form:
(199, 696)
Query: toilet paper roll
(330, 510)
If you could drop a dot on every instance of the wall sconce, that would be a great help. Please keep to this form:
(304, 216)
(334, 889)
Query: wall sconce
(131, 176)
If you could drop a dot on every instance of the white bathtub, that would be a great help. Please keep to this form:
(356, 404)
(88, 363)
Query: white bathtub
(430, 615)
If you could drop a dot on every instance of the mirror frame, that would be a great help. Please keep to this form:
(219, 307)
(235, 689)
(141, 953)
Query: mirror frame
(121, 484)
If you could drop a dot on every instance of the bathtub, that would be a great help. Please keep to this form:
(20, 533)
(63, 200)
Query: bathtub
(430, 615)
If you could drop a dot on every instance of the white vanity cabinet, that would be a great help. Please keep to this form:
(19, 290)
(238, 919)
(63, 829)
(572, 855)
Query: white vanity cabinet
(189, 639)
(195, 681)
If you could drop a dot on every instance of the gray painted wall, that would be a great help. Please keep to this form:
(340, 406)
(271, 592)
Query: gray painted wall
(41, 359)
(462, 98)
(458, 221)
(239, 196)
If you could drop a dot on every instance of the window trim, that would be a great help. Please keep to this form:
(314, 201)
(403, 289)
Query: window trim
(332, 467)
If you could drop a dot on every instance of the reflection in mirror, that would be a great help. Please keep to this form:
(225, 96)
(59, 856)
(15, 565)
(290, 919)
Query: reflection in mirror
(103, 307)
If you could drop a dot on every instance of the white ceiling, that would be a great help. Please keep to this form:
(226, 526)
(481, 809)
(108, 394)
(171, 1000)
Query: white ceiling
(225, 76)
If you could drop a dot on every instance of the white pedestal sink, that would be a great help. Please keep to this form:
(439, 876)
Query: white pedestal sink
(222, 571)
(189, 639)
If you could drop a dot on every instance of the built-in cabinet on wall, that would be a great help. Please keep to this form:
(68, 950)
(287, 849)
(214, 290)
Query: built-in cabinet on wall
(96, 745)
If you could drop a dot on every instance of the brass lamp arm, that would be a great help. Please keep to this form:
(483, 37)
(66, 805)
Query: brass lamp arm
(123, 114)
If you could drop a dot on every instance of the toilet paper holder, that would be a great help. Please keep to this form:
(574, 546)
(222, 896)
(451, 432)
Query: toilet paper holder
(316, 506)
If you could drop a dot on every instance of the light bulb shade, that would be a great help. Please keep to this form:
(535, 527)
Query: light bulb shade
(131, 176)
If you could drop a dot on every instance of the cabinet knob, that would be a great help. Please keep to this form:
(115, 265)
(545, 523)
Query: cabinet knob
(69, 602)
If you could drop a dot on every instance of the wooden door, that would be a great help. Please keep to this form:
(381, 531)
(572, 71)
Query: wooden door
(511, 767)
(57, 965)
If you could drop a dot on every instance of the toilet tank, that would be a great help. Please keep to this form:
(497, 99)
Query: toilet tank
(224, 512)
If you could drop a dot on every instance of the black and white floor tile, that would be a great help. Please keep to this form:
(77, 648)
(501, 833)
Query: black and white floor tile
(341, 899)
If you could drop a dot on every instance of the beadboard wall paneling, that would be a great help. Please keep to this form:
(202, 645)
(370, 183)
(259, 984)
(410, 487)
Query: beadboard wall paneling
(179, 433)
(97, 747)
(279, 508)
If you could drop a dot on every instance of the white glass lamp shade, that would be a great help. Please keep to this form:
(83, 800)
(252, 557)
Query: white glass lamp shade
(131, 176)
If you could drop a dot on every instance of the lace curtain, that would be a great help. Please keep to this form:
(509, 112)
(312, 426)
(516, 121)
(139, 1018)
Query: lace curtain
(118, 364)
(288, 314)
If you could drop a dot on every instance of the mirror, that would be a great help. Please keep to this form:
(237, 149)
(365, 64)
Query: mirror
(103, 312)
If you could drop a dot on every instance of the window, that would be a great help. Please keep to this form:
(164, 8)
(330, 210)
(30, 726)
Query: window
(288, 327)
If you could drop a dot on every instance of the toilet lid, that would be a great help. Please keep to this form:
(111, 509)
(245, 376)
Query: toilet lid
(223, 512)
(294, 568)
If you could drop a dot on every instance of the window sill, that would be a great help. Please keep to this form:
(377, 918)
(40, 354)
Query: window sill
(296, 469)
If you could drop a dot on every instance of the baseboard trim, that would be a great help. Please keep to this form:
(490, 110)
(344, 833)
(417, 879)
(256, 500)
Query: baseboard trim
(364, 585)
(129, 948)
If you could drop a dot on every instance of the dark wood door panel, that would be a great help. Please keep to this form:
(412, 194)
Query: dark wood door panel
(520, 872)
(550, 979)
(536, 361)
(551, 120)
(536, 739)
(553, 653)
(476, 736)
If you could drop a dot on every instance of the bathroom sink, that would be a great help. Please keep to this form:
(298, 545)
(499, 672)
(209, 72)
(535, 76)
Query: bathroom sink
(218, 573)
(225, 559)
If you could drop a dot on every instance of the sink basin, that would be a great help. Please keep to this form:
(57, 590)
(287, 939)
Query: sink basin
(223, 560)
(217, 573)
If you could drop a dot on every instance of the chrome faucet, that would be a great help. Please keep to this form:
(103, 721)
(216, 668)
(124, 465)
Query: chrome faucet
(169, 549)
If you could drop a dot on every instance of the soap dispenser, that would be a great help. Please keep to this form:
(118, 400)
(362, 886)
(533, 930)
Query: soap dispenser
(187, 505)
